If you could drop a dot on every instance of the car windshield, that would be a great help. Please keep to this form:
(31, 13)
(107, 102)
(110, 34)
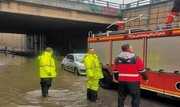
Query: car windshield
(79, 57)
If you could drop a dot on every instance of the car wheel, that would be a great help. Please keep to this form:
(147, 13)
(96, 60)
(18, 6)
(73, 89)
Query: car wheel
(76, 71)
(62, 67)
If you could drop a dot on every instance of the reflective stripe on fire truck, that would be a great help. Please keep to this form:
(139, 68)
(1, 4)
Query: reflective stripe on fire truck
(129, 75)
(160, 90)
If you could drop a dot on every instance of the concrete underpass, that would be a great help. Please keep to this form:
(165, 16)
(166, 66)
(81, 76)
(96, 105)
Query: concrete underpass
(62, 34)
(64, 25)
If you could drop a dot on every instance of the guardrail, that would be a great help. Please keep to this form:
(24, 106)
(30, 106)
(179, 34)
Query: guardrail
(99, 3)
(142, 3)
(137, 3)
(108, 4)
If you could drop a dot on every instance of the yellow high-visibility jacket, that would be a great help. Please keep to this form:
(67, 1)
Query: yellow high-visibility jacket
(93, 66)
(47, 65)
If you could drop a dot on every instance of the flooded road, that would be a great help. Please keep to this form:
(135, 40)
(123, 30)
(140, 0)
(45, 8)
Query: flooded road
(19, 87)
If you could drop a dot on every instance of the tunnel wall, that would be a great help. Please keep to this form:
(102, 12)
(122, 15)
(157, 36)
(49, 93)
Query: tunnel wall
(16, 42)
(22, 43)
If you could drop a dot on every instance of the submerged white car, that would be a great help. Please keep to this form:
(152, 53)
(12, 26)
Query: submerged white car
(73, 62)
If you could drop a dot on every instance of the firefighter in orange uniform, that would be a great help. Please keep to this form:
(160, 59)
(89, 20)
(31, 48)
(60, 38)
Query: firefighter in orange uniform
(129, 67)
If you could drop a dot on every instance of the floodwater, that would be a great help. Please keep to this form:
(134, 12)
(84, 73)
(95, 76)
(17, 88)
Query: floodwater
(19, 87)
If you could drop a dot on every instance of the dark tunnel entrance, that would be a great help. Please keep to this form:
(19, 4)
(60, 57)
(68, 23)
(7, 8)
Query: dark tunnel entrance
(64, 36)
(64, 42)
(70, 41)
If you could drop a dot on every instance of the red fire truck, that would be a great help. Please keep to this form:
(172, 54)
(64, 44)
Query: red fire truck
(159, 49)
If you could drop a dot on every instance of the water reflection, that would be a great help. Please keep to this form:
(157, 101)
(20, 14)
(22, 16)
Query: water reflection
(9, 59)
(18, 75)
(20, 85)
(19, 79)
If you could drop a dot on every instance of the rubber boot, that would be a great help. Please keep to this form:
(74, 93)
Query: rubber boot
(93, 96)
(96, 97)
(88, 94)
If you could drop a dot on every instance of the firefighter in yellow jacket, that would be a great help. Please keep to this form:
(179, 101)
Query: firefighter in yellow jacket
(47, 70)
(93, 73)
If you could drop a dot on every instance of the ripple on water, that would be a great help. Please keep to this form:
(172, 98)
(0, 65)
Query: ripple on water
(62, 97)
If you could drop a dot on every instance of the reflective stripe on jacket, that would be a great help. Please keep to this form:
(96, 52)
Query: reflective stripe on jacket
(93, 66)
(129, 67)
(46, 65)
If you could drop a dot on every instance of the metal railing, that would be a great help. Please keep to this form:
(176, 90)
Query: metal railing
(142, 3)
(108, 4)
(99, 3)
(135, 30)
(118, 6)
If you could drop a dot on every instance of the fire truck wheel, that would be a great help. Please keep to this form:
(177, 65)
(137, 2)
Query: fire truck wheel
(106, 81)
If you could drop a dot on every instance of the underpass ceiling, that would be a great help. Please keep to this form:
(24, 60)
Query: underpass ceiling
(20, 23)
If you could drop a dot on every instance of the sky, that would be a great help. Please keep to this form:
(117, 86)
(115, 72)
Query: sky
(121, 1)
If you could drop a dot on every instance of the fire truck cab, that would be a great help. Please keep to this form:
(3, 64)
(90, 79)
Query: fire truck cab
(159, 49)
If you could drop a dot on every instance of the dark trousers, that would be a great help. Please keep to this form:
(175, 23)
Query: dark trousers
(132, 88)
(92, 95)
(176, 6)
(45, 85)
(89, 92)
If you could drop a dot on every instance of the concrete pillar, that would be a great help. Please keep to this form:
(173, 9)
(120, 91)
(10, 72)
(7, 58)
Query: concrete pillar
(31, 42)
(35, 44)
(40, 43)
